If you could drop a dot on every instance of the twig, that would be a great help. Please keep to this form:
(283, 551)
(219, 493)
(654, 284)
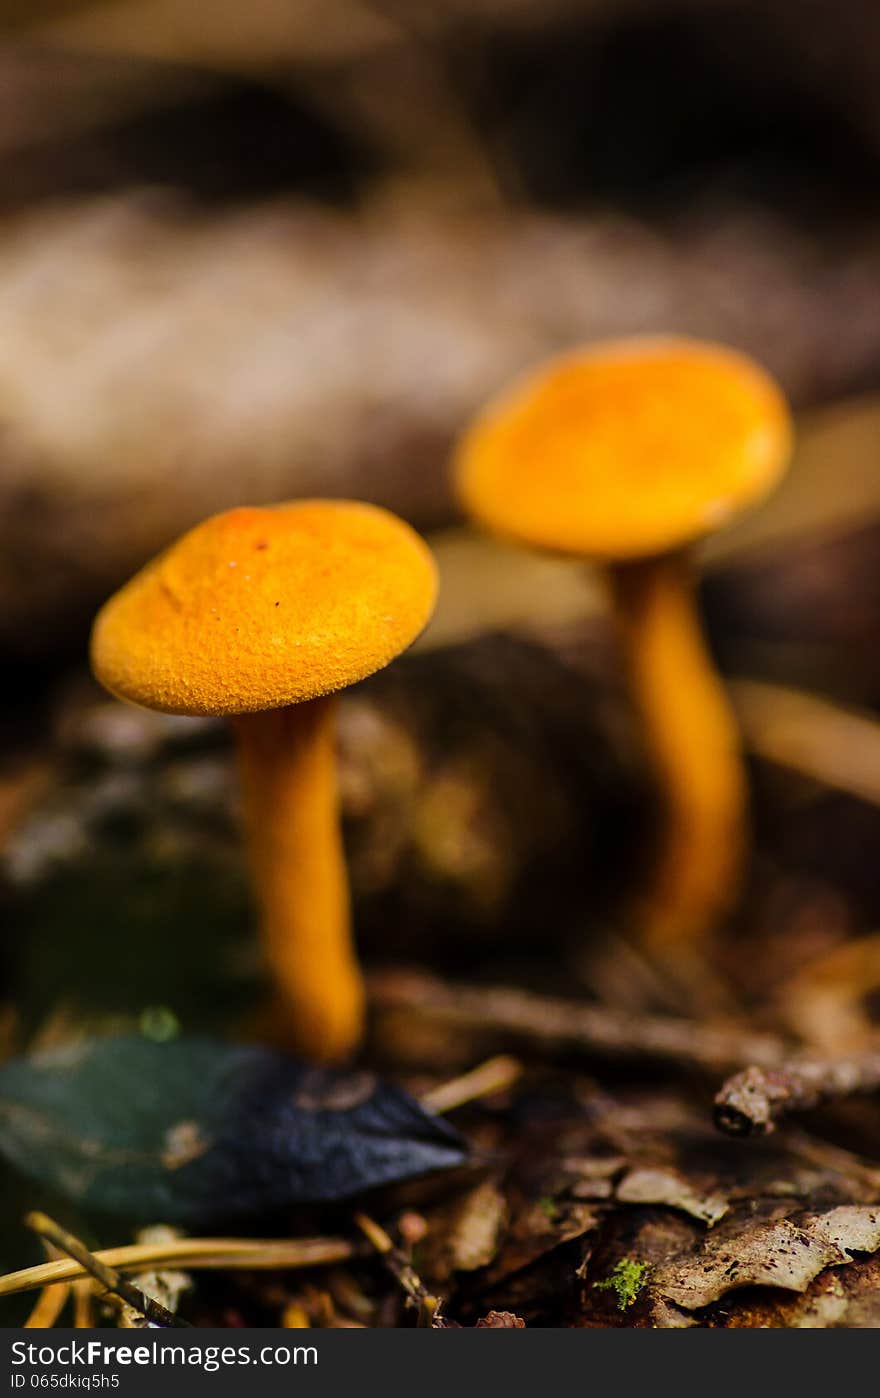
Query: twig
(826, 1003)
(752, 1101)
(50, 1304)
(251, 1254)
(810, 734)
(109, 1278)
(295, 1317)
(491, 1076)
(567, 1024)
(401, 1269)
(83, 1309)
(494, 1075)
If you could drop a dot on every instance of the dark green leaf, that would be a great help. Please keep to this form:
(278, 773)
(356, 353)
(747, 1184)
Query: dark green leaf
(197, 1128)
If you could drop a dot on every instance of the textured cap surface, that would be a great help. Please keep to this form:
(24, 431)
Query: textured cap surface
(626, 449)
(258, 608)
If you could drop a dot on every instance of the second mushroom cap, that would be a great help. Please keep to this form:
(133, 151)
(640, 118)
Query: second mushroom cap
(626, 451)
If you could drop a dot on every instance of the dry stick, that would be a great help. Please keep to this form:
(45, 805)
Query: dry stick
(492, 1076)
(811, 734)
(777, 1081)
(400, 1268)
(752, 1101)
(250, 1254)
(83, 1310)
(109, 1278)
(567, 1024)
(495, 1075)
(50, 1304)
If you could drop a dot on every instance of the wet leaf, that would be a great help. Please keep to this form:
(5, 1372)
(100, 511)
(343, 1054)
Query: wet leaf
(197, 1128)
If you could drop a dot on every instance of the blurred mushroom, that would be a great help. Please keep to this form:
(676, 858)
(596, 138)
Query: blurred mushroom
(263, 615)
(628, 452)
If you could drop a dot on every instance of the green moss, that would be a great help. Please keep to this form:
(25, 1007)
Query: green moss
(159, 1022)
(549, 1208)
(626, 1281)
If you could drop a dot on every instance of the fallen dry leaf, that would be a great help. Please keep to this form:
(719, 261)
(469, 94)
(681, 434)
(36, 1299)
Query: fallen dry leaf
(851, 1227)
(770, 1252)
(500, 1320)
(466, 1233)
(661, 1186)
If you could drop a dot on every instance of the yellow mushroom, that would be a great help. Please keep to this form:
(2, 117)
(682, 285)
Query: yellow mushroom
(628, 453)
(264, 615)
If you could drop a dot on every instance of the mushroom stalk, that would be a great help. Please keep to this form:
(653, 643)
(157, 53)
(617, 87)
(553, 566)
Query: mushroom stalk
(291, 813)
(694, 746)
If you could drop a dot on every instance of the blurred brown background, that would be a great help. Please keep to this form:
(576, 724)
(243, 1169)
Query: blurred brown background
(250, 253)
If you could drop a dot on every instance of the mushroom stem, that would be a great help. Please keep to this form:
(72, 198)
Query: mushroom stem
(693, 743)
(291, 812)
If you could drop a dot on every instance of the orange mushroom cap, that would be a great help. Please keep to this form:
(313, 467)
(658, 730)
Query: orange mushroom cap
(260, 608)
(626, 449)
